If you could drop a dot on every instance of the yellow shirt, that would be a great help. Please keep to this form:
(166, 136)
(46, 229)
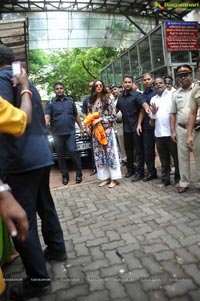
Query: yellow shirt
(2, 283)
(12, 120)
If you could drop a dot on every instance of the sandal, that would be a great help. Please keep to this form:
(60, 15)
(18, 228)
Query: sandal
(113, 183)
(104, 183)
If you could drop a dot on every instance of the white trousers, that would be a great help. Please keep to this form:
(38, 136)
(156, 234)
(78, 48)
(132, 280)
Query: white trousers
(107, 172)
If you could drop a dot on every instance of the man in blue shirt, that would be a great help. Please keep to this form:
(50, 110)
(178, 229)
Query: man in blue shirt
(62, 114)
(25, 164)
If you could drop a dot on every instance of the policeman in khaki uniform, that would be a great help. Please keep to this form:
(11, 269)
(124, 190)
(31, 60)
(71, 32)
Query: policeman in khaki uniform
(180, 112)
(193, 131)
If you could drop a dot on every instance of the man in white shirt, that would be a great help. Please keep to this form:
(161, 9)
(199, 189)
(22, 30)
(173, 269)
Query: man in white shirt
(161, 106)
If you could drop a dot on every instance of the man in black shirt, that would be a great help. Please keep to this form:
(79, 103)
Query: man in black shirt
(129, 103)
(146, 131)
(62, 114)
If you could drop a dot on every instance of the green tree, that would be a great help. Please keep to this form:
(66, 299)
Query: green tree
(73, 67)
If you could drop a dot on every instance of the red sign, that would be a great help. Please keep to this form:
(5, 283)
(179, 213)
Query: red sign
(181, 36)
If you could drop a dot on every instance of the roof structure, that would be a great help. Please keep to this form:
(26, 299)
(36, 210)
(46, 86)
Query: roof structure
(14, 34)
(91, 23)
(175, 9)
(50, 24)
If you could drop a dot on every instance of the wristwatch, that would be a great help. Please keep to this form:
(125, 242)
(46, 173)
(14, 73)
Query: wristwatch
(4, 187)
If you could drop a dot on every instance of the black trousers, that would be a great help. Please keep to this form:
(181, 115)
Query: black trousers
(63, 144)
(167, 147)
(31, 190)
(149, 150)
(133, 154)
(129, 149)
(51, 230)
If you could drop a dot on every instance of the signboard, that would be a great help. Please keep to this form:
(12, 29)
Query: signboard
(181, 36)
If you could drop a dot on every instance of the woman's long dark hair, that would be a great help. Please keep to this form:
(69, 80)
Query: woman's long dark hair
(104, 95)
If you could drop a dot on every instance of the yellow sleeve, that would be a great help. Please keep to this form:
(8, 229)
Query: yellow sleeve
(2, 283)
(12, 120)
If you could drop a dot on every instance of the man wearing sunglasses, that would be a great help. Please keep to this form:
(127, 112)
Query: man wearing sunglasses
(168, 81)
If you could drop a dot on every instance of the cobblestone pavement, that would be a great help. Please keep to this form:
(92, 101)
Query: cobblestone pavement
(134, 242)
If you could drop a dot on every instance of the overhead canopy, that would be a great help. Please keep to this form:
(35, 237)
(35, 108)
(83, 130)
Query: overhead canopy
(93, 23)
(167, 10)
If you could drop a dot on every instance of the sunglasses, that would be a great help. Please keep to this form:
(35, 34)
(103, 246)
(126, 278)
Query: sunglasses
(183, 75)
(98, 85)
(90, 86)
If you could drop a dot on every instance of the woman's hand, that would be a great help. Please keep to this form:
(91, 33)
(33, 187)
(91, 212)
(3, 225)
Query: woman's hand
(88, 130)
(96, 121)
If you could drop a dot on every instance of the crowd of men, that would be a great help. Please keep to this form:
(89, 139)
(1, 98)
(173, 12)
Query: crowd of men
(138, 130)
(162, 116)
(166, 127)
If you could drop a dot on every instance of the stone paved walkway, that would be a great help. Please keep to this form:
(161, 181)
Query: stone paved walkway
(134, 242)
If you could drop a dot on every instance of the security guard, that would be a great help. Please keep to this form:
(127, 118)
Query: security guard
(62, 114)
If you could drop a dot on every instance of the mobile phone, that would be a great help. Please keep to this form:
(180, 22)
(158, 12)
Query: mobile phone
(16, 70)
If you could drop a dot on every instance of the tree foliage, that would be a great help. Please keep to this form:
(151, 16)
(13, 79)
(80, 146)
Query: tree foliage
(73, 67)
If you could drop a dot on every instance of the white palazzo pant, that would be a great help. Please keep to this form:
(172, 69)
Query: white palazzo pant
(107, 172)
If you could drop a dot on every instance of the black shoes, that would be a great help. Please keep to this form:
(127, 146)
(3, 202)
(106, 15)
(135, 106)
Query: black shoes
(93, 171)
(149, 178)
(54, 256)
(129, 173)
(137, 177)
(78, 179)
(65, 180)
(25, 290)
